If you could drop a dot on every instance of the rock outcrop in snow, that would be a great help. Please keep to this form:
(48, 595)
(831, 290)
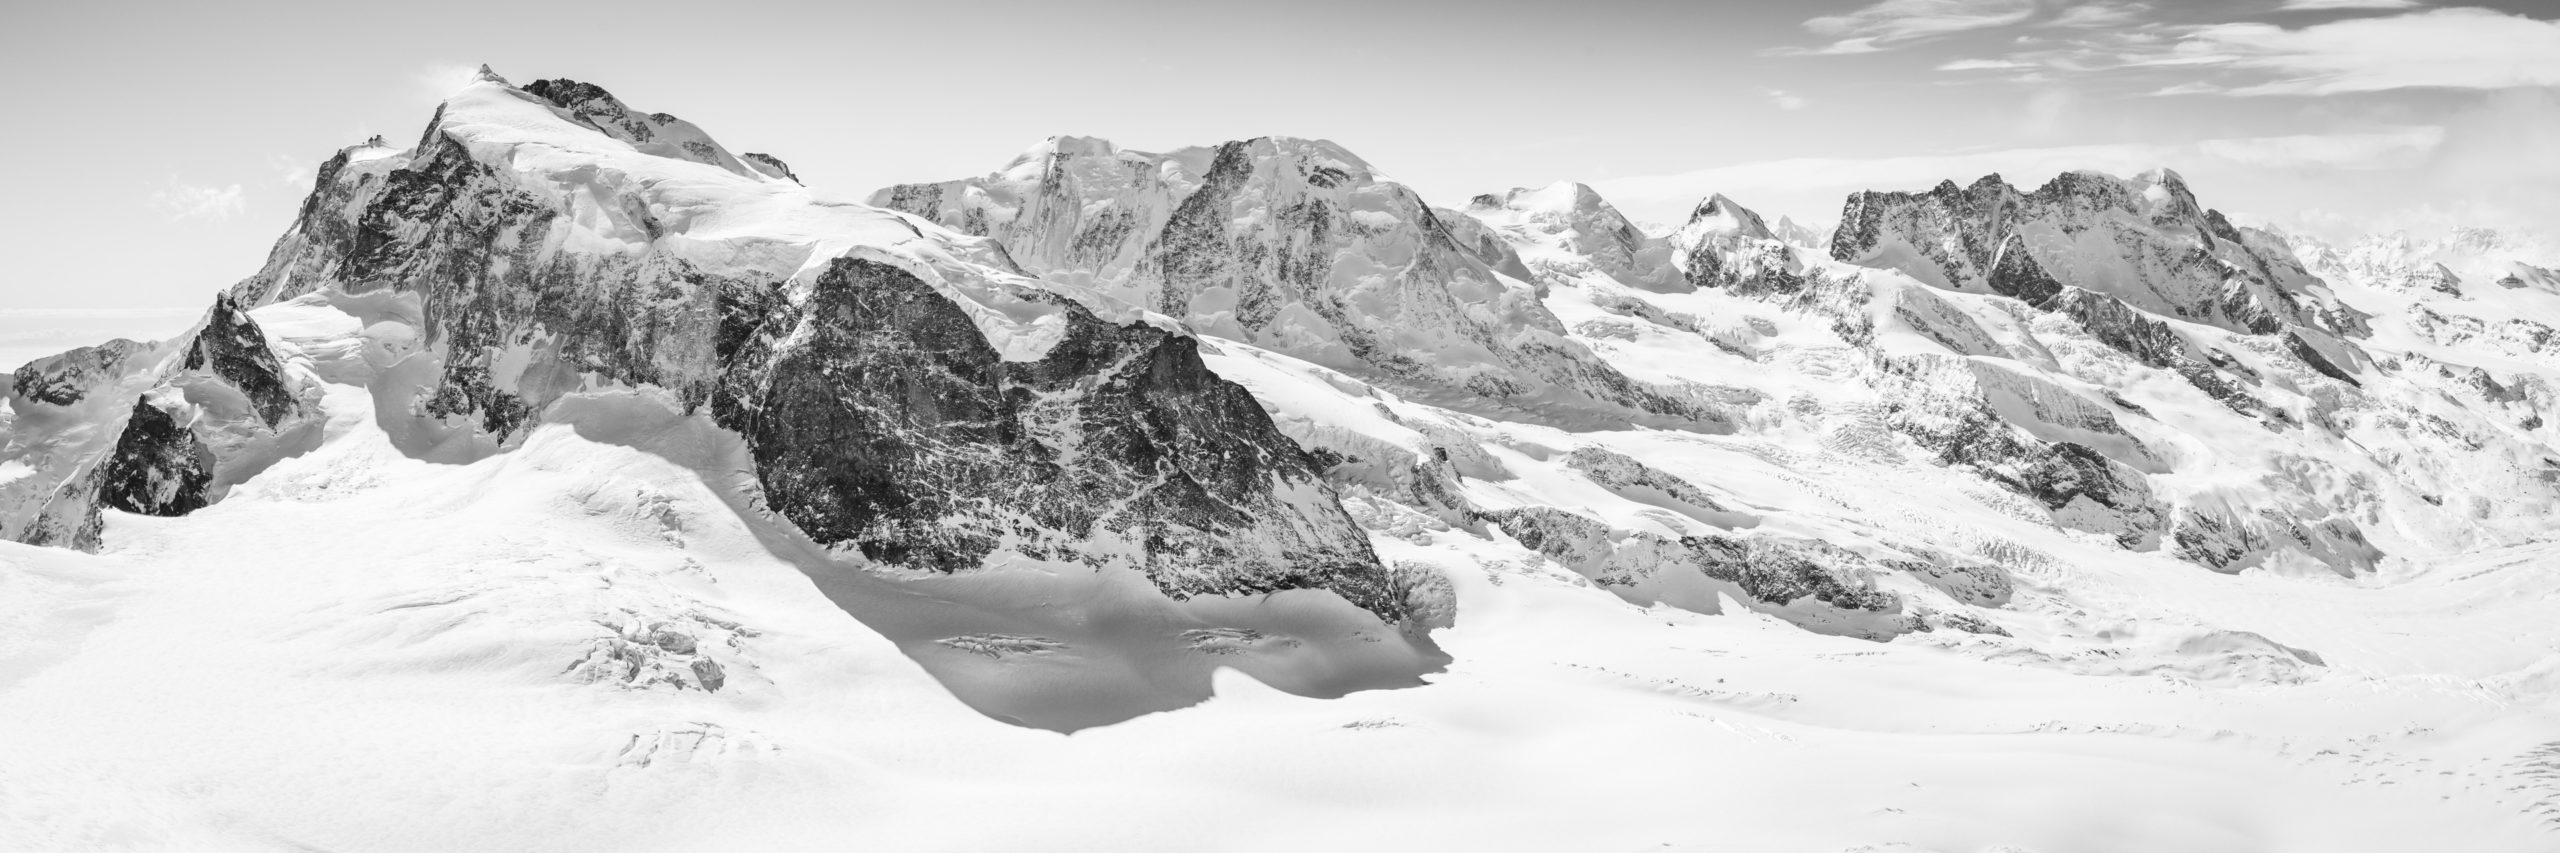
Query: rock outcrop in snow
(151, 429)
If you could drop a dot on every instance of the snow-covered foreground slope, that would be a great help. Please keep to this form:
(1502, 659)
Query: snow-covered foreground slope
(566, 481)
(360, 650)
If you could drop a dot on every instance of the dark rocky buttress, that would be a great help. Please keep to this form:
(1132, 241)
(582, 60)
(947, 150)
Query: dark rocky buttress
(231, 346)
(66, 379)
(881, 419)
(158, 466)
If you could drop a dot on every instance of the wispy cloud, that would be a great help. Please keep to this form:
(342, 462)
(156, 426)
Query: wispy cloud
(2044, 112)
(1786, 100)
(293, 171)
(181, 201)
(2317, 5)
(2447, 48)
(2101, 14)
(1809, 188)
(1888, 23)
(2463, 48)
(439, 80)
(1842, 47)
(1986, 65)
(2398, 148)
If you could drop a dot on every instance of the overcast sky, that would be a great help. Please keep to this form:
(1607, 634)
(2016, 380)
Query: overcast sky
(156, 151)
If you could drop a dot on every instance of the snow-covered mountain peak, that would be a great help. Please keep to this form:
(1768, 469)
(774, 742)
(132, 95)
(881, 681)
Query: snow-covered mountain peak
(1571, 212)
(1561, 198)
(1565, 230)
(1721, 216)
(1299, 246)
(654, 134)
(1802, 235)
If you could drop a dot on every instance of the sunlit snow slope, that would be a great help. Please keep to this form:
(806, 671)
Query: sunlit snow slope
(567, 482)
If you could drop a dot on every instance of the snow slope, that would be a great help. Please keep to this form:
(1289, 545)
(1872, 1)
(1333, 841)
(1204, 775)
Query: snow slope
(368, 651)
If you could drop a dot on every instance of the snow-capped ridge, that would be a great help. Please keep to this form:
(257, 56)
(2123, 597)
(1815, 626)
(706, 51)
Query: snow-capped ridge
(2145, 240)
(1293, 244)
(552, 241)
(1720, 215)
(655, 134)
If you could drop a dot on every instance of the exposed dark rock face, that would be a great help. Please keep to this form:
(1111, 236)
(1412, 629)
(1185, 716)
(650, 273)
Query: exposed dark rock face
(2016, 273)
(232, 347)
(66, 379)
(2083, 488)
(1726, 245)
(1769, 569)
(1622, 472)
(478, 246)
(657, 134)
(158, 466)
(2310, 354)
(2150, 341)
(2229, 542)
(881, 419)
(770, 165)
(1978, 584)
(163, 460)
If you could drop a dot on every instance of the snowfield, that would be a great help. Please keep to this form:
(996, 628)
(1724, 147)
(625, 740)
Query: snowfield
(360, 650)
(571, 483)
